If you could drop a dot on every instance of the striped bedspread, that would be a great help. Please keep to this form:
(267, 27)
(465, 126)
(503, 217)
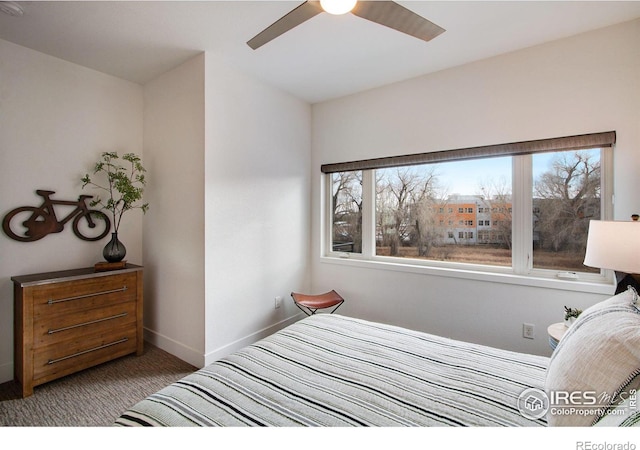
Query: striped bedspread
(332, 370)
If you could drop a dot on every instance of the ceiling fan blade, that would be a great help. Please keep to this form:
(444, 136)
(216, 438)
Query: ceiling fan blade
(301, 14)
(397, 17)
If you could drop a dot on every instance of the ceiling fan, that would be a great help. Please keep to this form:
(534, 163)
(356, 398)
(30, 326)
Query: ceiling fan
(387, 13)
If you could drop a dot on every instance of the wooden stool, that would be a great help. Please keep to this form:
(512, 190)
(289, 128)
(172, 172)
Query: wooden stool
(309, 304)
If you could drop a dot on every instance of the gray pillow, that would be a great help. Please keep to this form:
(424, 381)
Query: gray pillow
(594, 362)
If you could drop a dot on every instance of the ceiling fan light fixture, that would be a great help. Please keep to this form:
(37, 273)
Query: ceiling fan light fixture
(338, 7)
(387, 13)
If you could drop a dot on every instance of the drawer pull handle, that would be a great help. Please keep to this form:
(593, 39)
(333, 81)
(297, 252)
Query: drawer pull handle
(57, 330)
(52, 301)
(53, 361)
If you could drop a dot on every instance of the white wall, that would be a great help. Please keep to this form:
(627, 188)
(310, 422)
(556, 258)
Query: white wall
(228, 228)
(587, 83)
(257, 191)
(56, 118)
(174, 297)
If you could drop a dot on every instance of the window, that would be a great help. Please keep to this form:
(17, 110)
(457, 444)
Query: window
(533, 202)
(409, 201)
(346, 214)
(566, 195)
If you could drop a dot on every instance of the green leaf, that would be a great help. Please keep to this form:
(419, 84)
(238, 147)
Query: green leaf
(123, 185)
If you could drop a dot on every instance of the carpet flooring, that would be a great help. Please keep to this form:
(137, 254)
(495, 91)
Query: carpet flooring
(94, 397)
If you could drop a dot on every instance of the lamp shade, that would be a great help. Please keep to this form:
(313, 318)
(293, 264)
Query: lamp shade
(613, 245)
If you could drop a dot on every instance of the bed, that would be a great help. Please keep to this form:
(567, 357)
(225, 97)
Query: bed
(338, 371)
(334, 370)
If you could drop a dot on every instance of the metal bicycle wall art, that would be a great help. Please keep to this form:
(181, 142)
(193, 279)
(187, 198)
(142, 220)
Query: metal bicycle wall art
(31, 223)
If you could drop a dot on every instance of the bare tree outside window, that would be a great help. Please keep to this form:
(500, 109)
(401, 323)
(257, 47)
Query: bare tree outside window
(404, 196)
(347, 212)
(566, 197)
(498, 212)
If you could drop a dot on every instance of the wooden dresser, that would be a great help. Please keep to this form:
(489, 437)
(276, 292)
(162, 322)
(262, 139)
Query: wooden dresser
(74, 319)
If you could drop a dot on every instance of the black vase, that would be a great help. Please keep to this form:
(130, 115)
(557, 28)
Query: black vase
(114, 251)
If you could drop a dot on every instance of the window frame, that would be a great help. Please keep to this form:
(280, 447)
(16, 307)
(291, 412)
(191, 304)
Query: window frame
(521, 270)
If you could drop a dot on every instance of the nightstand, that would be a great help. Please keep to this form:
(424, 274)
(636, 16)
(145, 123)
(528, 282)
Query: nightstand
(556, 331)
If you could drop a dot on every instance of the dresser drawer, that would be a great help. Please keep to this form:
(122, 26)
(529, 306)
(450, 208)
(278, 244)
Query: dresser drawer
(59, 328)
(73, 296)
(81, 352)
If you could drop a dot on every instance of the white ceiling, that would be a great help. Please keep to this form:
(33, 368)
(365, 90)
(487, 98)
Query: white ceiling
(325, 57)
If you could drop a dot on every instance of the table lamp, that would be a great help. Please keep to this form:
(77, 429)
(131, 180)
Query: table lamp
(615, 245)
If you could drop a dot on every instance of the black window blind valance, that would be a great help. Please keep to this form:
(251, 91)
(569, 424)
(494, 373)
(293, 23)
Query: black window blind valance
(579, 142)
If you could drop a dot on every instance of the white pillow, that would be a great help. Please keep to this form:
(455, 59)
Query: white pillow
(594, 362)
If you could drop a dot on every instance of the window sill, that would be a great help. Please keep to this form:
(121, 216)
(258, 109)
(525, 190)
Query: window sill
(594, 287)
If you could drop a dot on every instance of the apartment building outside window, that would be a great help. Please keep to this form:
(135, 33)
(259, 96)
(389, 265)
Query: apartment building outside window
(518, 211)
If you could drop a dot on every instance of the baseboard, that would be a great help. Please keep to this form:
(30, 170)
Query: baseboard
(197, 359)
(177, 349)
(231, 347)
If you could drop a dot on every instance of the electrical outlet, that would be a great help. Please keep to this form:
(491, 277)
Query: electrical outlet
(528, 330)
(278, 302)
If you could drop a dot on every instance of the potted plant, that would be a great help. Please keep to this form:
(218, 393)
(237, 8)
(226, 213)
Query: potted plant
(570, 315)
(124, 187)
